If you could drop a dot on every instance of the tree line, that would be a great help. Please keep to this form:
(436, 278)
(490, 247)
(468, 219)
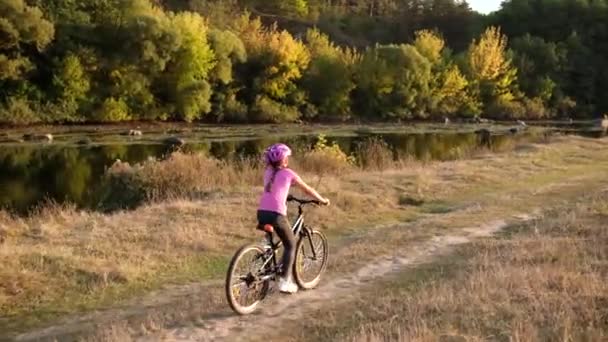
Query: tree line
(64, 61)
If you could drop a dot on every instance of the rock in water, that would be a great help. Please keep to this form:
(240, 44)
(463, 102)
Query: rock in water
(42, 137)
(84, 141)
(175, 141)
(135, 133)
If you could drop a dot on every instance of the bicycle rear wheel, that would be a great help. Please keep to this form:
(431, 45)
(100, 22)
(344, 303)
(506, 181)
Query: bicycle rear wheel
(309, 265)
(246, 281)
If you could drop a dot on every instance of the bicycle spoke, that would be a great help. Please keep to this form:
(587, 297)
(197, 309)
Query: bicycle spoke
(245, 285)
(310, 262)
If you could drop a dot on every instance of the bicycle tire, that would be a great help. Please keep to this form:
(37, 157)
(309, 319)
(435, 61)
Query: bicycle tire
(233, 301)
(301, 256)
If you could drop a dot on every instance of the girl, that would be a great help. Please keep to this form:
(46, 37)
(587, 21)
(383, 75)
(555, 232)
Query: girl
(278, 178)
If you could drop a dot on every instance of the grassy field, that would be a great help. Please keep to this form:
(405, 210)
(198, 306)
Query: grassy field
(62, 261)
(540, 281)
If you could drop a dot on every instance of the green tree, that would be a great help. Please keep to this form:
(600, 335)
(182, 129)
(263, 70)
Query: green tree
(229, 53)
(292, 8)
(539, 65)
(187, 75)
(393, 82)
(328, 81)
(229, 50)
(113, 110)
(577, 27)
(71, 84)
(22, 29)
(580, 76)
(133, 87)
(276, 62)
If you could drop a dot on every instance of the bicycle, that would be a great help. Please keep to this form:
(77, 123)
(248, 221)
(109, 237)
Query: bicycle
(246, 289)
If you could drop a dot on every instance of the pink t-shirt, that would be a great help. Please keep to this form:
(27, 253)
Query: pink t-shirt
(276, 199)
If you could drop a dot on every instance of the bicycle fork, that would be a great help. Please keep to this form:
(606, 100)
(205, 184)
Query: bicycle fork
(308, 235)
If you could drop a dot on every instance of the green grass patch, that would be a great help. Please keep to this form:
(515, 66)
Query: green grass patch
(86, 294)
(438, 207)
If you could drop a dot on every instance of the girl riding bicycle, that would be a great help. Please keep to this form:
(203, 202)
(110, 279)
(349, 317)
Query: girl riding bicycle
(278, 179)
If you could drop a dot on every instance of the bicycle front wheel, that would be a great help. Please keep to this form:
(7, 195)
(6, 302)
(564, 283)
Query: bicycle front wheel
(311, 259)
(246, 283)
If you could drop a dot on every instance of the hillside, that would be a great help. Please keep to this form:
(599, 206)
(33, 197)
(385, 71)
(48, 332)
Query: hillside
(283, 61)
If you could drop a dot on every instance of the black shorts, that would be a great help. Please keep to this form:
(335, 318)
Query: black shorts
(277, 220)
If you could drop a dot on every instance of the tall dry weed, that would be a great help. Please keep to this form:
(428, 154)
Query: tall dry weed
(375, 154)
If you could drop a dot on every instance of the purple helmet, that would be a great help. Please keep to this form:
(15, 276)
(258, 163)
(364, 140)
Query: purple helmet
(276, 153)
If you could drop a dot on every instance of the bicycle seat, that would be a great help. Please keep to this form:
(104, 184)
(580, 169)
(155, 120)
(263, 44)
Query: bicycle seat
(268, 228)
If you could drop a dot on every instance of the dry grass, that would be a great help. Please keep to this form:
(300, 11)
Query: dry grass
(62, 260)
(179, 176)
(195, 175)
(543, 281)
(375, 155)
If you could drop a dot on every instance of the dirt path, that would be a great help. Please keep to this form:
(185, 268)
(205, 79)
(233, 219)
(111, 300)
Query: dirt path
(282, 308)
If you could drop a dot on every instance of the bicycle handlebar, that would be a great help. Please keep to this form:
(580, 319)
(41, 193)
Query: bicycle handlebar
(291, 198)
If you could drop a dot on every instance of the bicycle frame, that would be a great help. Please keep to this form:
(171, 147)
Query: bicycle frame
(298, 229)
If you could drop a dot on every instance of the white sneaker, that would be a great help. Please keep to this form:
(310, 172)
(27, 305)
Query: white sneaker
(287, 286)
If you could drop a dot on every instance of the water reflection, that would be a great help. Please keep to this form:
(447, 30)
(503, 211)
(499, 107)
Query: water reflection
(30, 174)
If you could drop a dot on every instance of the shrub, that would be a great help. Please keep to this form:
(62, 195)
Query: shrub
(535, 109)
(374, 154)
(228, 108)
(113, 110)
(180, 175)
(325, 158)
(502, 109)
(123, 187)
(18, 111)
(268, 110)
(410, 200)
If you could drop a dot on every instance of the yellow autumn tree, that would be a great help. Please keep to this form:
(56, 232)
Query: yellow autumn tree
(430, 45)
(491, 72)
(448, 85)
(487, 58)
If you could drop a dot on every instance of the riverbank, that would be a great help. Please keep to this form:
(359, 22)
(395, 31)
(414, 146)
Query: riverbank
(109, 133)
(63, 261)
(79, 161)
